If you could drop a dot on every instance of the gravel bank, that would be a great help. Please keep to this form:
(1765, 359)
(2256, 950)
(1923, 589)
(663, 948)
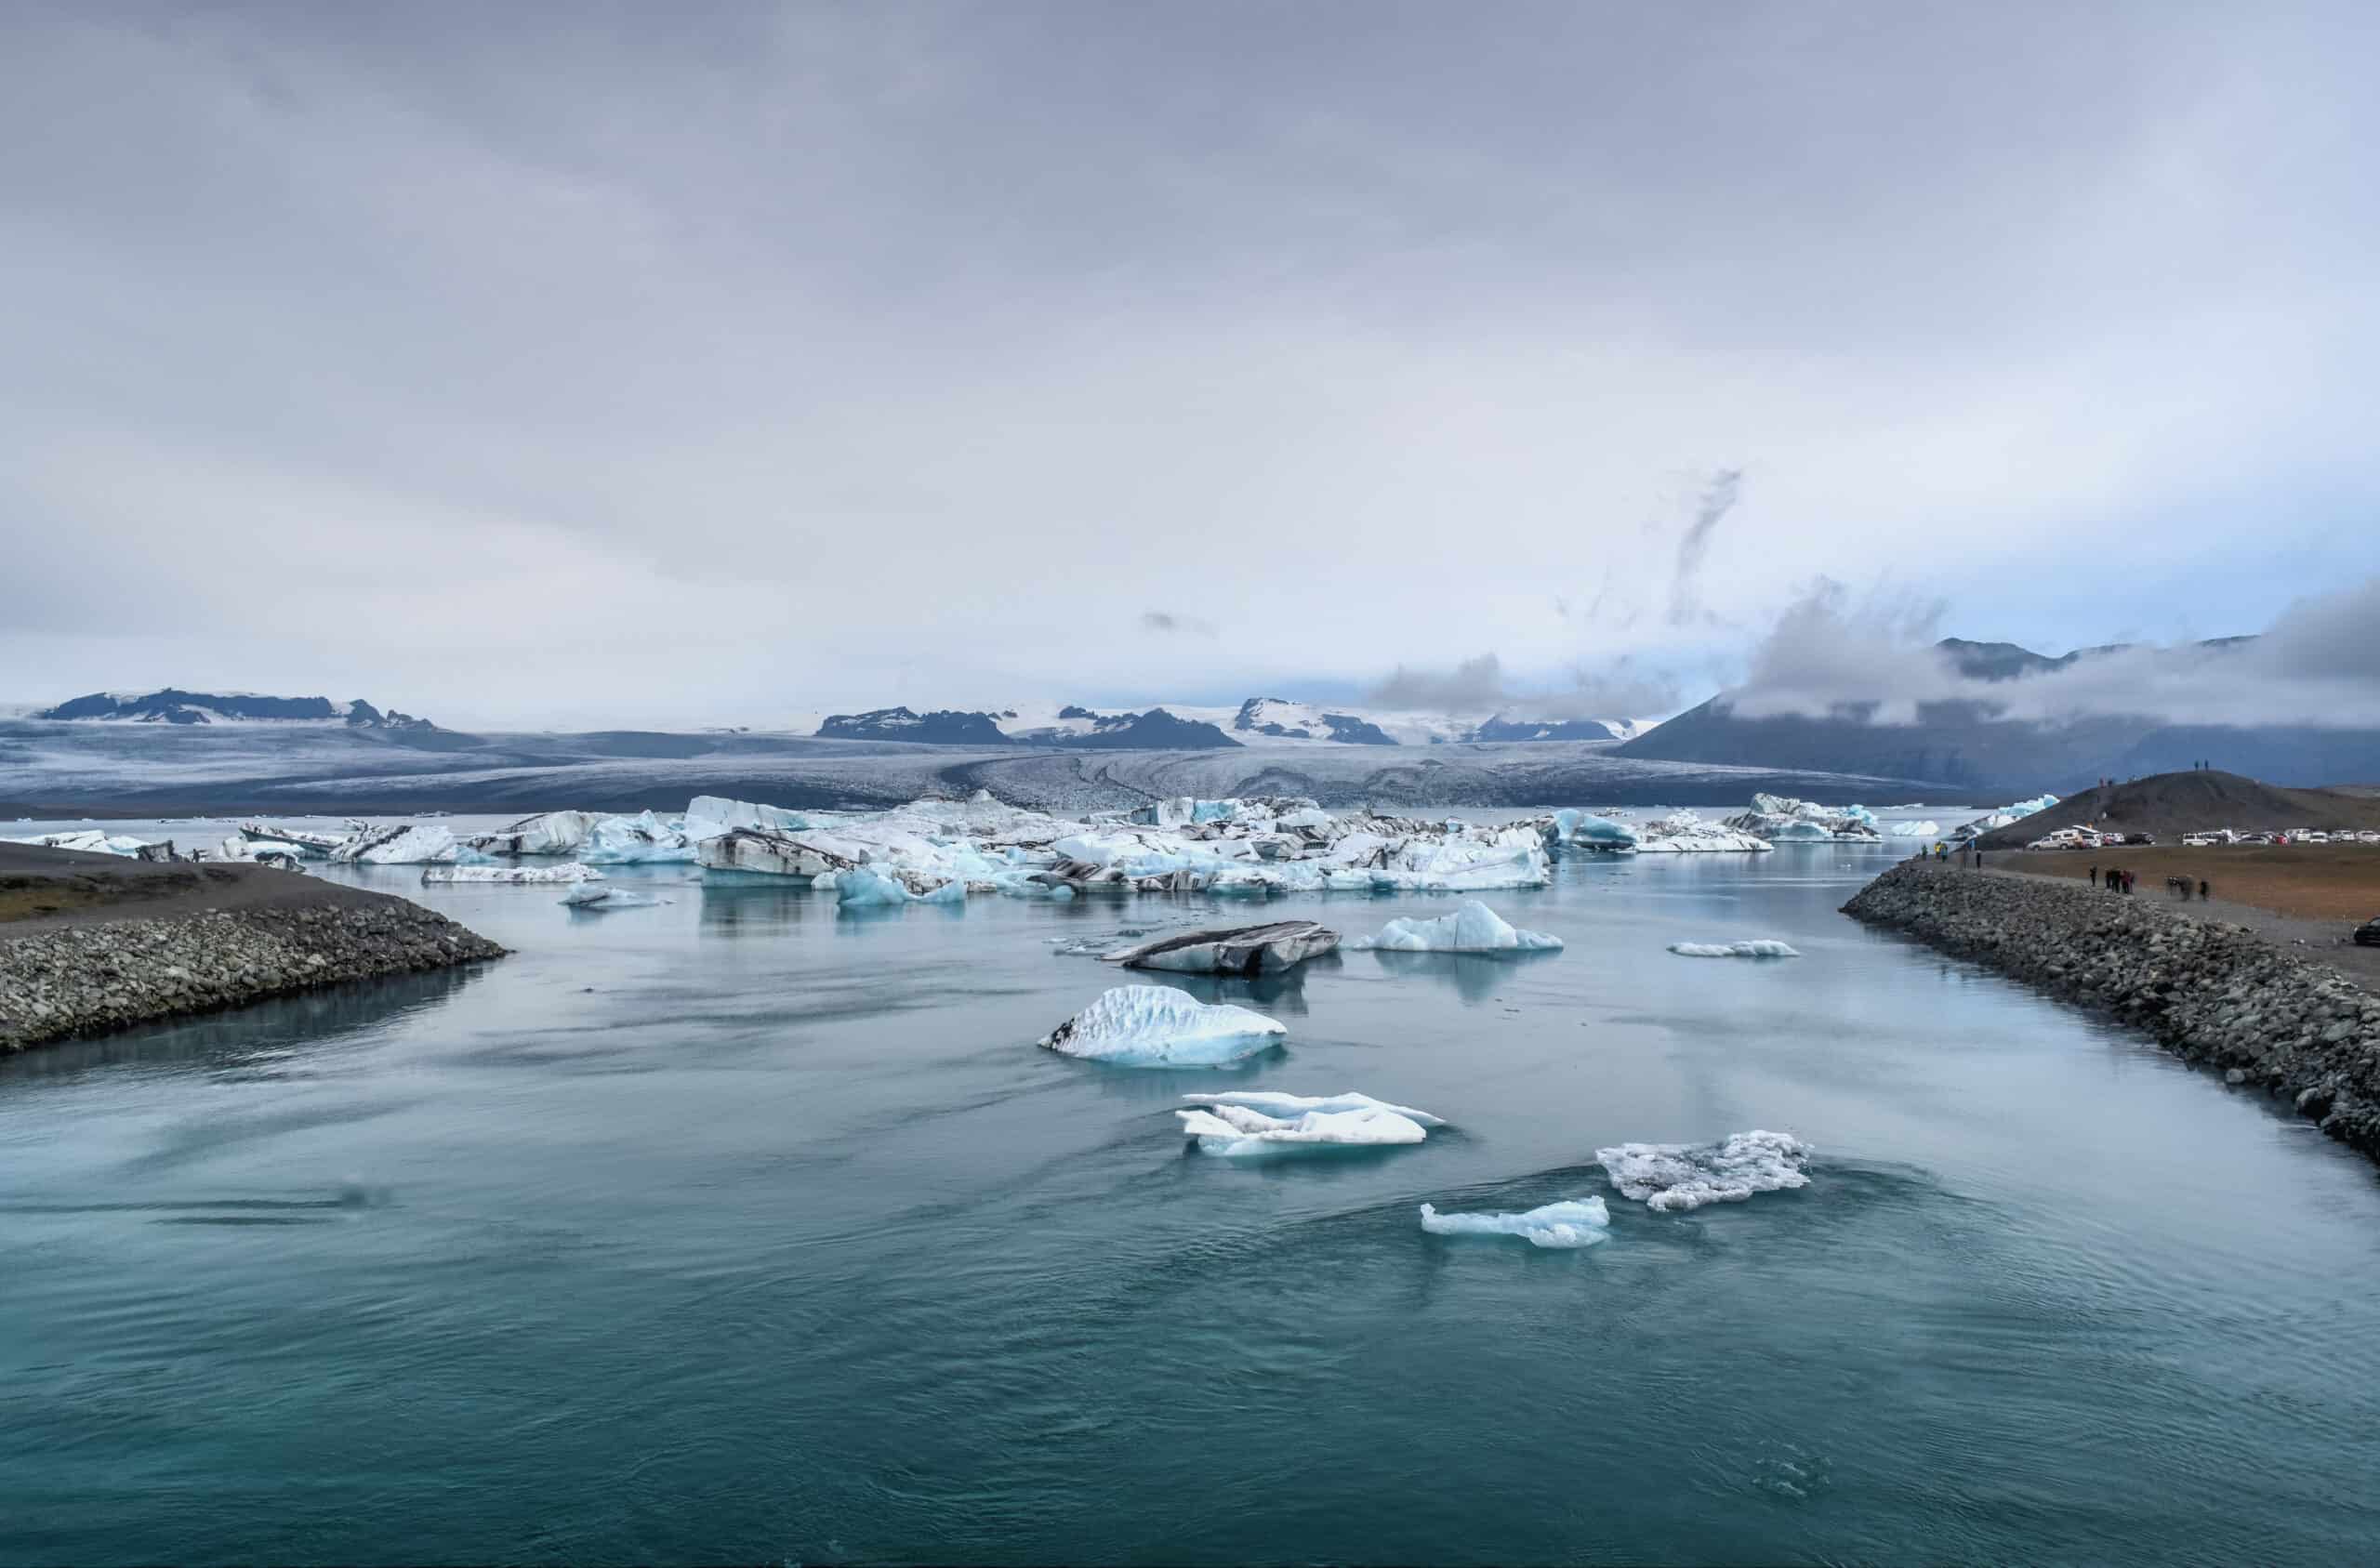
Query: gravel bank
(83, 978)
(2210, 992)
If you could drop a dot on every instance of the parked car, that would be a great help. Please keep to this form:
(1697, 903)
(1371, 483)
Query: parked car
(2368, 934)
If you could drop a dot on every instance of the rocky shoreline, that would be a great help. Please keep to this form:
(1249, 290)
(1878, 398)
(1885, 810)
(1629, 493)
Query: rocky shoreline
(84, 979)
(2210, 992)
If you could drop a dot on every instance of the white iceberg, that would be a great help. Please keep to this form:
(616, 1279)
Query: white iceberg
(591, 897)
(1158, 1026)
(1782, 819)
(772, 855)
(1474, 928)
(1239, 950)
(639, 840)
(1242, 1126)
(1687, 1175)
(549, 833)
(708, 816)
(1685, 832)
(311, 844)
(404, 844)
(1575, 829)
(862, 888)
(89, 841)
(1763, 947)
(1573, 1223)
(508, 875)
(1917, 830)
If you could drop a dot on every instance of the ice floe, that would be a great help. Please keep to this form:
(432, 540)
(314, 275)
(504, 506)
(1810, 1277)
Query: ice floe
(1573, 829)
(1762, 947)
(588, 896)
(402, 844)
(1158, 1026)
(1917, 830)
(1474, 928)
(1685, 833)
(1687, 1175)
(1575, 1223)
(1782, 819)
(506, 875)
(861, 887)
(305, 841)
(1237, 950)
(1253, 1125)
(89, 841)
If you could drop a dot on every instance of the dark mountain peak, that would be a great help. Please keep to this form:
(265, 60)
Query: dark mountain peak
(942, 727)
(171, 704)
(1996, 661)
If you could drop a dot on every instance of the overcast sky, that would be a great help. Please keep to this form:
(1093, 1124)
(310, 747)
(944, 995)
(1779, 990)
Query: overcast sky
(705, 363)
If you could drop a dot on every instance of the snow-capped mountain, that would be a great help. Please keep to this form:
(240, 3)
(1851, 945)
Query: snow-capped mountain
(172, 705)
(1259, 722)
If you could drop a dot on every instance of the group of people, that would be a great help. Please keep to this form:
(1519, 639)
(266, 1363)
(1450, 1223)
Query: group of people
(2120, 881)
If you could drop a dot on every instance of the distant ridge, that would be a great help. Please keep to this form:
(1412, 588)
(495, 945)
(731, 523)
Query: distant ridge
(2197, 800)
(170, 705)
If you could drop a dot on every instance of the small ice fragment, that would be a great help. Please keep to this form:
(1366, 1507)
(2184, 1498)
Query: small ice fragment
(1762, 948)
(1158, 1026)
(1474, 928)
(1572, 1223)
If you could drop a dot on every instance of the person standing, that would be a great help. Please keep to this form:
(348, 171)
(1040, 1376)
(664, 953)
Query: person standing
(2095, 876)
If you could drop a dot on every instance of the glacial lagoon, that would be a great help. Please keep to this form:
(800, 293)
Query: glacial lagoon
(736, 1227)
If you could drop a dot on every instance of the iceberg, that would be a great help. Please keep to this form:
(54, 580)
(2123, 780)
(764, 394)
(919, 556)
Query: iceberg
(1782, 819)
(1239, 1132)
(590, 897)
(862, 888)
(708, 816)
(1574, 1223)
(404, 844)
(1573, 829)
(1917, 830)
(1685, 832)
(1761, 948)
(1685, 1176)
(549, 833)
(772, 855)
(509, 874)
(1239, 950)
(1274, 1103)
(89, 841)
(1158, 1026)
(1474, 928)
(314, 845)
(639, 840)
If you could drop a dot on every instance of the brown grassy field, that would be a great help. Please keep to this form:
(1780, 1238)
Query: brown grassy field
(2312, 882)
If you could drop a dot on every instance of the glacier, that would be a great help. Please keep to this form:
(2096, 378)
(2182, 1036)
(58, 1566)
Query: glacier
(1575, 1223)
(1762, 947)
(1473, 928)
(1158, 1026)
(1673, 1176)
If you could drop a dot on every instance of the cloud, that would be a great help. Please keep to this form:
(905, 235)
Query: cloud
(1620, 687)
(1685, 587)
(1165, 620)
(1476, 685)
(1874, 660)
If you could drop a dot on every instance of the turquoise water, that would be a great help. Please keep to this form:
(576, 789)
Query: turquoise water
(738, 1230)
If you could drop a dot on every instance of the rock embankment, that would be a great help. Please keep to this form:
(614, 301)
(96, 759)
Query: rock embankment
(2212, 993)
(81, 979)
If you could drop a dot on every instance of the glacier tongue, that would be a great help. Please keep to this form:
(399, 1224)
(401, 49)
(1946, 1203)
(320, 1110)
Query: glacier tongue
(1158, 1026)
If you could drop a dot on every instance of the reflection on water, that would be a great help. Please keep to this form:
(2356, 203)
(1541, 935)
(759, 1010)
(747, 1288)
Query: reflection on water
(645, 1245)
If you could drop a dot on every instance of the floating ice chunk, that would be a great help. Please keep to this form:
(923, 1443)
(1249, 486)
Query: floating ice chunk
(708, 816)
(1763, 947)
(1574, 1223)
(1474, 928)
(635, 841)
(404, 844)
(1273, 1103)
(1687, 1175)
(773, 854)
(89, 841)
(1575, 829)
(588, 896)
(1917, 830)
(1158, 1026)
(1239, 950)
(861, 888)
(1238, 1133)
(314, 845)
(509, 874)
(1685, 832)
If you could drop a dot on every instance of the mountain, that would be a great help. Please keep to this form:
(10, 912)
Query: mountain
(942, 727)
(2195, 801)
(1964, 744)
(172, 705)
(1281, 719)
(1502, 729)
(1155, 729)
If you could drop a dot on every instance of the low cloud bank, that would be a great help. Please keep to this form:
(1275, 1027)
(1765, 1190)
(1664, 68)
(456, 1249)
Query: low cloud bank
(2318, 664)
(1618, 690)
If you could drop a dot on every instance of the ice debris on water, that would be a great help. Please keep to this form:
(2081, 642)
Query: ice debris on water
(1474, 928)
(89, 841)
(1235, 949)
(1158, 1026)
(1763, 947)
(588, 896)
(1258, 1123)
(509, 874)
(1687, 1175)
(1575, 1223)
